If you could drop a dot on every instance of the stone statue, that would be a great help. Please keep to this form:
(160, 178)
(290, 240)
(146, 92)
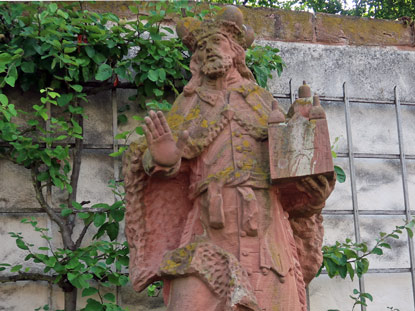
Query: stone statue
(224, 195)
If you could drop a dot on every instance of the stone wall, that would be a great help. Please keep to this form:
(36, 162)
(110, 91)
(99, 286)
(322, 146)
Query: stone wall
(372, 57)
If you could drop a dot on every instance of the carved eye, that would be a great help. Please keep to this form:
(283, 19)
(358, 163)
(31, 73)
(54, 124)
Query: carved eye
(201, 45)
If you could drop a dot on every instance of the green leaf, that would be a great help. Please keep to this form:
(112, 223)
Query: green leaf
(100, 205)
(89, 291)
(158, 92)
(118, 215)
(133, 9)
(122, 135)
(93, 305)
(99, 219)
(76, 205)
(69, 50)
(139, 130)
(22, 245)
(350, 270)
(27, 67)
(367, 295)
(62, 14)
(123, 280)
(341, 175)
(153, 75)
(90, 51)
(53, 7)
(83, 215)
(161, 74)
(104, 72)
(99, 58)
(66, 211)
(78, 88)
(112, 230)
(122, 119)
(377, 251)
(110, 297)
(10, 81)
(385, 245)
(76, 127)
(5, 58)
(119, 152)
(4, 100)
(16, 268)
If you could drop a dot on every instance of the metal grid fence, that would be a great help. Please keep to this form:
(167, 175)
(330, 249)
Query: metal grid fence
(351, 156)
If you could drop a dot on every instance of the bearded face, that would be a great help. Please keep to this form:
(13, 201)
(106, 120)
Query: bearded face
(217, 66)
(216, 55)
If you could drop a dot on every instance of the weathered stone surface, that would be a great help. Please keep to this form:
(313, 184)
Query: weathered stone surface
(337, 125)
(96, 171)
(379, 184)
(23, 296)
(98, 126)
(337, 228)
(408, 128)
(411, 181)
(299, 146)
(10, 253)
(390, 290)
(291, 26)
(331, 294)
(262, 20)
(370, 72)
(368, 136)
(16, 187)
(398, 256)
(341, 198)
(129, 109)
(361, 31)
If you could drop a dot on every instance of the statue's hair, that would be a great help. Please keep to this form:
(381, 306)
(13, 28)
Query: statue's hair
(238, 62)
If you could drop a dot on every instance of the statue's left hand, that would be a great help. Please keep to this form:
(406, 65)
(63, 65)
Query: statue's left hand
(317, 188)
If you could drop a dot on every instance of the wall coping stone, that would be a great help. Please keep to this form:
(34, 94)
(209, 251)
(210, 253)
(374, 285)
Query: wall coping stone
(296, 26)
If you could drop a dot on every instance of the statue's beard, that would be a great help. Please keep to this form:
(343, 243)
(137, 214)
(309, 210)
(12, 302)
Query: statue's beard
(217, 67)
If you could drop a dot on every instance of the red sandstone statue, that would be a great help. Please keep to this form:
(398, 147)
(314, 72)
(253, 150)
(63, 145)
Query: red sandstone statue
(224, 195)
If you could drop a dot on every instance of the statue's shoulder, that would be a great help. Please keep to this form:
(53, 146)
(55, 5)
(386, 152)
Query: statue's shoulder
(253, 90)
(258, 98)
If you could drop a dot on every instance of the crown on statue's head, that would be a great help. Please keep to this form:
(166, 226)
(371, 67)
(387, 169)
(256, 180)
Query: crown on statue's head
(228, 21)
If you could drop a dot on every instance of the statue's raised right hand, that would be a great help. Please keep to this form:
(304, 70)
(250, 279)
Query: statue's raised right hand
(163, 149)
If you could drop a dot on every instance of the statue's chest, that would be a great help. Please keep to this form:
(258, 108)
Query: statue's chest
(217, 109)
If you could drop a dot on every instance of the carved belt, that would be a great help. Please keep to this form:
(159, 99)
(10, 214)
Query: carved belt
(249, 208)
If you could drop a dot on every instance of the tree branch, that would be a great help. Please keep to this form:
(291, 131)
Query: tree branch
(76, 167)
(27, 277)
(66, 235)
(82, 235)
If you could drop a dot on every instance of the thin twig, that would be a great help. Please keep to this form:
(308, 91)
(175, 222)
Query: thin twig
(82, 235)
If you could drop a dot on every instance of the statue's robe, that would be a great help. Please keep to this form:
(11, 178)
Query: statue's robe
(215, 214)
